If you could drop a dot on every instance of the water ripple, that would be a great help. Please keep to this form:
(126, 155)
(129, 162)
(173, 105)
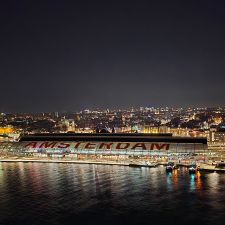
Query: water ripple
(41, 193)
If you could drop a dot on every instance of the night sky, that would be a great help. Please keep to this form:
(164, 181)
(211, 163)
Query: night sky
(72, 55)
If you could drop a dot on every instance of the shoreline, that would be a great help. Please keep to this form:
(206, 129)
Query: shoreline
(204, 168)
(66, 161)
(122, 163)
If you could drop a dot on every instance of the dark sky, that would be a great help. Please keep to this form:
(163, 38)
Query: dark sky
(71, 55)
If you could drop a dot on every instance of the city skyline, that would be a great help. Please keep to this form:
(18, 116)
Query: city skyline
(117, 109)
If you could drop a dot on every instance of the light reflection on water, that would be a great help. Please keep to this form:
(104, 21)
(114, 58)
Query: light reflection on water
(41, 193)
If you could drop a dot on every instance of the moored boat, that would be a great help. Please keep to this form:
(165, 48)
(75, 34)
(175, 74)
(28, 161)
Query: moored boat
(170, 167)
(193, 169)
(143, 164)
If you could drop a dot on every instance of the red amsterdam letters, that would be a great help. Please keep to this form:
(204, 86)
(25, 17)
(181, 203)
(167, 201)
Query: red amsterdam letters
(100, 145)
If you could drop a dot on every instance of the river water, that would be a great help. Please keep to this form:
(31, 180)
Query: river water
(51, 193)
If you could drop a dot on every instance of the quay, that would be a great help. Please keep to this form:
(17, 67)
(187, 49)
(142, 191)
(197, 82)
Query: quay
(121, 163)
(204, 167)
(66, 161)
(218, 167)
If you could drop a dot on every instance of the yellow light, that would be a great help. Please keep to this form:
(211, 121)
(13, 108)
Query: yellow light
(6, 130)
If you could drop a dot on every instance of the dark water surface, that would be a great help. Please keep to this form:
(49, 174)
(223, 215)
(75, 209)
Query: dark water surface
(42, 193)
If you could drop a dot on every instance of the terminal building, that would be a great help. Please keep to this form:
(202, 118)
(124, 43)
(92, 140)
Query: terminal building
(104, 146)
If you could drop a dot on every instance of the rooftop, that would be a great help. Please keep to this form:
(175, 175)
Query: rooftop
(115, 137)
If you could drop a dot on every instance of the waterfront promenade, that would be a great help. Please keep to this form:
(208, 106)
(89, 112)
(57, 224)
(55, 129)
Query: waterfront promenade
(123, 163)
(206, 166)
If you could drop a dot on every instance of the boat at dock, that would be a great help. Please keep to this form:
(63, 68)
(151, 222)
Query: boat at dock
(143, 164)
(150, 165)
(220, 166)
(193, 169)
(214, 167)
(170, 167)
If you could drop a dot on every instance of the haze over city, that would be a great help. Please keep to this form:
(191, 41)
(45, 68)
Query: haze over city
(68, 56)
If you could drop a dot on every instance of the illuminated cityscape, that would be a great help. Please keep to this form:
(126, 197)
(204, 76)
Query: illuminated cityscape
(112, 112)
(208, 123)
(189, 122)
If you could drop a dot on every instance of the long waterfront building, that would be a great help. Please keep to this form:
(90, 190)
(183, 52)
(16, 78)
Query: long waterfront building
(76, 146)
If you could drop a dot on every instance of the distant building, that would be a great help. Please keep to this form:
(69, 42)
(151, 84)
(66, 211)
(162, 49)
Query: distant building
(217, 137)
(164, 129)
(148, 129)
(68, 125)
(183, 132)
(8, 134)
(6, 130)
(217, 120)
